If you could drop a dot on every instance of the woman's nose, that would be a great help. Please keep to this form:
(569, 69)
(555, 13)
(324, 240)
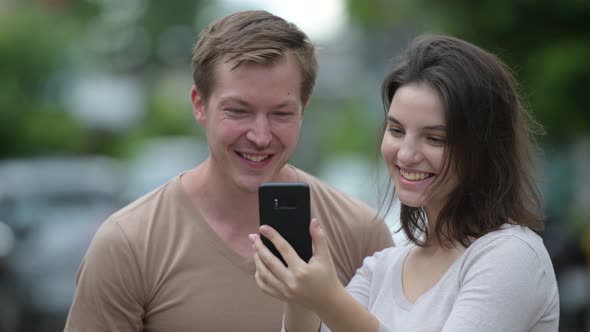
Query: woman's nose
(409, 153)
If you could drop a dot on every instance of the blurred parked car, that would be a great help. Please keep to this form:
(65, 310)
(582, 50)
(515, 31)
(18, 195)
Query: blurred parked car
(159, 159)
(8, 310)
(53, 207)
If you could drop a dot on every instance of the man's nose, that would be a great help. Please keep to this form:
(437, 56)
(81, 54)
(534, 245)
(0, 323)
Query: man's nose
(260, 133)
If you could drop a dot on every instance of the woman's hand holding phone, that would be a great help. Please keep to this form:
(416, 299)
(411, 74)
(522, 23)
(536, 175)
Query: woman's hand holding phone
(313, 285)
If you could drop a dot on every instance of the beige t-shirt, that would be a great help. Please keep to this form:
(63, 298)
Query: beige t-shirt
(156, 265)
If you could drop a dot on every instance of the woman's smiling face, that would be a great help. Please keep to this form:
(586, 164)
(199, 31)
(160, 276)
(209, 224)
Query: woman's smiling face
(413, 146)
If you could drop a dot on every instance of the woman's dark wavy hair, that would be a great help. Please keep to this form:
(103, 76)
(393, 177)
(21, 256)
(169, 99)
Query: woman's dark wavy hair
(490, 145)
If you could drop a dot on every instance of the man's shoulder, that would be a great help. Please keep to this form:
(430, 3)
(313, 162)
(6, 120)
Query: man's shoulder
(325, 192)
(141, 214)
(322, 188)
(148, 213)
(341, 209)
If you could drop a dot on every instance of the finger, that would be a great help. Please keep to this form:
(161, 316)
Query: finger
(283, 247)
(253, 238)
(262, 269)
(319, 241)
(264, 287)
(266, 280)
(271, 263)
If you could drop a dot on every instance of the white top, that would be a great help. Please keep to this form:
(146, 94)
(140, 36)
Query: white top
(504, 281)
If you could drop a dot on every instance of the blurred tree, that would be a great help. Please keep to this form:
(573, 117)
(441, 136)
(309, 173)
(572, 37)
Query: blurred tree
(151, 42)
(46, 46)
(546, 42)
(351, 132)
(171, 27)
(32, 43)
(173, 33)
(169, 111)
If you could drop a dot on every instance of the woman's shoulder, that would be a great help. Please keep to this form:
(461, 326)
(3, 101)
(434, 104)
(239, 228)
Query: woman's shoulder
(387, 256)
(514, 263)
(510, 235)
(510, 245)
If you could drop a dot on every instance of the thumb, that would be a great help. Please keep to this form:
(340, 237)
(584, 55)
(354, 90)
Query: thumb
(318, 238)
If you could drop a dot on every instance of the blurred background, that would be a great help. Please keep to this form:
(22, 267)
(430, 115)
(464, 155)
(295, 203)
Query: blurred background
(95, 111)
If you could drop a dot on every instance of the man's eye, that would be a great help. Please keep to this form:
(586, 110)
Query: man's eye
(235, 111)
(283, 114)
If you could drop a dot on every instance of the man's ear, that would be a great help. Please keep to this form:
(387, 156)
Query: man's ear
(303, 110)
(306, 103)
(198, 106)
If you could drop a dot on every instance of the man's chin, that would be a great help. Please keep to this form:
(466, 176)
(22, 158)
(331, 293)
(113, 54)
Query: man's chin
(251, 185)
(250, 182)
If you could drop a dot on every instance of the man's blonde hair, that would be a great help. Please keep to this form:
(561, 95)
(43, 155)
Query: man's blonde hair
(256, 36)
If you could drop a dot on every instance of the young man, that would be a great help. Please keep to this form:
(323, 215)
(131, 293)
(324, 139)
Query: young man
(179, 258)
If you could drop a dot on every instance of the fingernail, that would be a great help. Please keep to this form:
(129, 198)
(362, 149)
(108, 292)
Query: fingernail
(263, 229)
(252, 237)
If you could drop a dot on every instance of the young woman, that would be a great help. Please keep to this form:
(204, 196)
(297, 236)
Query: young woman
(459, 149)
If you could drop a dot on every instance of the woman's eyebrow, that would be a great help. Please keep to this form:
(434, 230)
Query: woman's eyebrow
(436, 127)
(440, 127)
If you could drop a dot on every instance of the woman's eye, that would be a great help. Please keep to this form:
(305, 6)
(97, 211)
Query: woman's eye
(436, 140)
(395, 131)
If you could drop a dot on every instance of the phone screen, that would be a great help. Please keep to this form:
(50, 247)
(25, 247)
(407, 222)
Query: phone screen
(286, 207)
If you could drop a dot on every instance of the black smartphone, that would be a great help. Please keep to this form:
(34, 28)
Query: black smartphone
(286, 207)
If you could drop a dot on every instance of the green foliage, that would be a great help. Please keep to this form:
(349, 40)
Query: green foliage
(160, 16)
(351, 131)
(169, 117)
(379, 14)
(558, 76)
(47, 131)
(43, 45)
(30, 47)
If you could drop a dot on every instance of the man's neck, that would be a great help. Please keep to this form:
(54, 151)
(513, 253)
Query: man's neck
(215, 199)
(222, 202)
(231, 212)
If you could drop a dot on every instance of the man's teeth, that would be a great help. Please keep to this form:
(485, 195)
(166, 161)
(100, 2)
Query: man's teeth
(414, 176)
(255, 158)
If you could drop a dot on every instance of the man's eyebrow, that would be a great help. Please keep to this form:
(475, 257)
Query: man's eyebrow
(244, 103)
(391, 118)
(285, 104)
(234, 100)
